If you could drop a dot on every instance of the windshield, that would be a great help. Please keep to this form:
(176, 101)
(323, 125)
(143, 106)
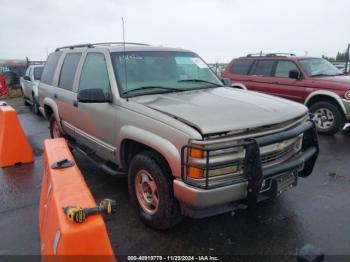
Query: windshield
(319, 67)
(150, 72)
(37, 72)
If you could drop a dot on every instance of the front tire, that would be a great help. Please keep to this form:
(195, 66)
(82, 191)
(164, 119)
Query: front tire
(151, 193)
(329, 118)
(35, 106)
(25, 102)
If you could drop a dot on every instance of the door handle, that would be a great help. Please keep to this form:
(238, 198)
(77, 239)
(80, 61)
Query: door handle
(274, 83)
(55, 95)
(75, 103)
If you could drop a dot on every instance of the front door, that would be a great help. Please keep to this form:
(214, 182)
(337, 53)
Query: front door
(284, 86)
(95, 127)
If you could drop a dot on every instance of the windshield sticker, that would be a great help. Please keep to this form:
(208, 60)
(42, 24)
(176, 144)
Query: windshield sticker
(184, 60)
(199, 62)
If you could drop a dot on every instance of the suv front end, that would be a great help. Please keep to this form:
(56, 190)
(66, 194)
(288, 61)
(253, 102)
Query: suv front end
(221, 173)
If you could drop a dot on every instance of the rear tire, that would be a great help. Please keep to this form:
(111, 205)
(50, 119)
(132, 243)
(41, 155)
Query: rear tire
(151, 191)
(55, 131)
(329, 117)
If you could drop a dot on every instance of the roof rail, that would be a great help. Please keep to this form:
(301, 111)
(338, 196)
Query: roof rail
(271, 54)
(73, 46)
(280, 54)
(36, 62)
(96, 44)
(120, 43)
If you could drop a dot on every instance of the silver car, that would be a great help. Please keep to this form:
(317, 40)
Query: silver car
(29, 85)
(189, 145)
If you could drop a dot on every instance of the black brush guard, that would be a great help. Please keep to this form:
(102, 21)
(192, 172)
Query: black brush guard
(253, 170)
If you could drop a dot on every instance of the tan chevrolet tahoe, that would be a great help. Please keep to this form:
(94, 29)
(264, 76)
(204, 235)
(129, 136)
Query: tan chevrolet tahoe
(188, 144)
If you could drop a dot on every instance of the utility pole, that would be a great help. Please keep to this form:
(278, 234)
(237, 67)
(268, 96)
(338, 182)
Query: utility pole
(347, 60)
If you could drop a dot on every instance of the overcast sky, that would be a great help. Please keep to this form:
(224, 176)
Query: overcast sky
(217, 30)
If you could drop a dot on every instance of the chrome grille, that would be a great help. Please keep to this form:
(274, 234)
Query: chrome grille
(268, 159)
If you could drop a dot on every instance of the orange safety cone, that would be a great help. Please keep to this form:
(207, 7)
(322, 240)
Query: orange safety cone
(14, 146)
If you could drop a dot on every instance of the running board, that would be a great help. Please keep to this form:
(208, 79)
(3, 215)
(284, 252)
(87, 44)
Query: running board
(107, 167)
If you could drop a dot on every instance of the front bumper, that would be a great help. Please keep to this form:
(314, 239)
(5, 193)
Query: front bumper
(346, 104)
(194, 197)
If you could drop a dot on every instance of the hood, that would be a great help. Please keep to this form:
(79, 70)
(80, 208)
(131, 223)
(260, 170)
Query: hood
(343, 80)
(223, 109)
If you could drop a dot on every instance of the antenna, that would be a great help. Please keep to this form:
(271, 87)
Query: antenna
(125, 73)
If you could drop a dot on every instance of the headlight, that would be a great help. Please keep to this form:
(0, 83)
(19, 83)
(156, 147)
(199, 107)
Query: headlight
(347, 95)
(199, 173)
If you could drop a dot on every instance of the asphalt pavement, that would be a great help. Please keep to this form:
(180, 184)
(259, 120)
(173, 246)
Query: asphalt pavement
(316, 212)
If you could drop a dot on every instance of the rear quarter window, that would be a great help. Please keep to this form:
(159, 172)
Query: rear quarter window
(241, 66)
(50, 68)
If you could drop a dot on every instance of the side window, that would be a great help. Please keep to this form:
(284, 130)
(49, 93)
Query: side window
(263, 68)
(50, 67)
(94, 73)
(38, 72)
(68, 71)
(283, 68)
(241, 66)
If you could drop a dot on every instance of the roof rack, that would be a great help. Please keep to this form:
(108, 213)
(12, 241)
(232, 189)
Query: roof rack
(96, 44)
(271, 54)
(74, 46)
(121, 43)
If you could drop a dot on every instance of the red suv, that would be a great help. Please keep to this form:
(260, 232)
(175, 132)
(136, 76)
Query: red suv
(312, 81)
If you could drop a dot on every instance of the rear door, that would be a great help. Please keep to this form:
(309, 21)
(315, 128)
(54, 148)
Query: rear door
(64, 94)
(283, 85)
(261, 75)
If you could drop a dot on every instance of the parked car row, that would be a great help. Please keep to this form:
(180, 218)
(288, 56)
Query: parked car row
(189, 143)
(315, 82)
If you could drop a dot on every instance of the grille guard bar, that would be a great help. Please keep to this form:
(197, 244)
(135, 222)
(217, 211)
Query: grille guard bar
(253, 170)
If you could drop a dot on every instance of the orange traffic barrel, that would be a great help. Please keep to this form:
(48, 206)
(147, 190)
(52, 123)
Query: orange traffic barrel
(62, 186)
(14, 145)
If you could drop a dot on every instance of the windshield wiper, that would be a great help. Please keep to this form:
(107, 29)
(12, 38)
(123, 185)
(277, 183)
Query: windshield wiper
(199, 81)
(321, 75)
(152, 87)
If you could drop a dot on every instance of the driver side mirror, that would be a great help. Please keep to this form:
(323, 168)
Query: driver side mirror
(27, 78)
(95, 95)
(294, 74)
(226, 81)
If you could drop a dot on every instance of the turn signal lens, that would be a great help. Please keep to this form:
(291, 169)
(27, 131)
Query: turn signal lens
(194, 172)
(347, 95)
(196, 153)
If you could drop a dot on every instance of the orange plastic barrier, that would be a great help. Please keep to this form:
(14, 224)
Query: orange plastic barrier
(66, 187)
(14, 146)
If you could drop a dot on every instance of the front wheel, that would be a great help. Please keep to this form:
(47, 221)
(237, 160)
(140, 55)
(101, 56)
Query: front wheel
(35, 106)
(150, 188)
(329, 118)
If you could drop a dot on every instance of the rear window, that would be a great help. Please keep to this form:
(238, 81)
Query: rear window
(241, 66)
(50, 68)
(68, 71)
(263, 68)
